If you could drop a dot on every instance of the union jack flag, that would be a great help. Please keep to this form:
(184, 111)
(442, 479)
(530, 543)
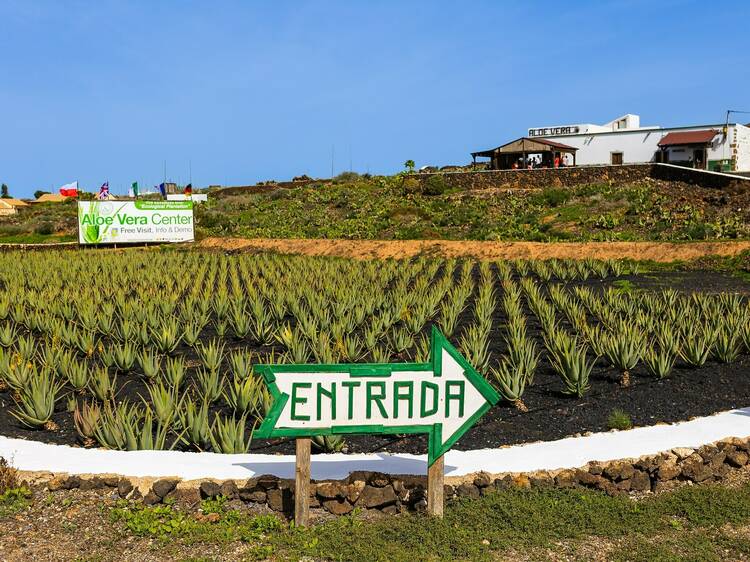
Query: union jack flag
(104, 191)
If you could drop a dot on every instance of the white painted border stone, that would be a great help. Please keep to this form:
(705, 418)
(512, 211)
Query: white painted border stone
(571, 452)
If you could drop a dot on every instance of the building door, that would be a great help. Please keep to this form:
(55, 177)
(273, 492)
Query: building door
(699, 158)
(616, 158)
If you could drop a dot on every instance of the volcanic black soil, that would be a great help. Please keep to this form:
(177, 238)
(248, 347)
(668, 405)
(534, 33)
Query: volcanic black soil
(687, 393)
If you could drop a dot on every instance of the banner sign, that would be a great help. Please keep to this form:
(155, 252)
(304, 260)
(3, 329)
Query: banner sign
(123, 222)
(442, 398)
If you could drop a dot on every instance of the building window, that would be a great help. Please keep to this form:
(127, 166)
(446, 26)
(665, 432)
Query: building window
(616, 158)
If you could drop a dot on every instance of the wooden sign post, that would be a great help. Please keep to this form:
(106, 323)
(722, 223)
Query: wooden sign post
(443, 398)
(435, 487)
(302, 482)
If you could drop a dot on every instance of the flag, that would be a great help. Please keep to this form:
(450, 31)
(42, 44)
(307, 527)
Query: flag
(69, 189)
(104, 191)
(134, 187)
(163, 189)
(188, 189)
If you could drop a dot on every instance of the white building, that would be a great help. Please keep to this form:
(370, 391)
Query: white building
(720, 147)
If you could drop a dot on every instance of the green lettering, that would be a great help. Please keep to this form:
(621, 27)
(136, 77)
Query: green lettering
(398, 394)
(423, 410)
(331, 395)
(457, 395)
(350, 385)
(299, 400)
(377, 399)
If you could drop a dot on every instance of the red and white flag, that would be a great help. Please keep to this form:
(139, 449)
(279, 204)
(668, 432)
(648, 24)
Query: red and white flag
(69, 189)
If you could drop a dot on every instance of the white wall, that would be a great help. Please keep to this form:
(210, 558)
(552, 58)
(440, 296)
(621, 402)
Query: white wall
(636, 146)
(742, 142)
(642, 145)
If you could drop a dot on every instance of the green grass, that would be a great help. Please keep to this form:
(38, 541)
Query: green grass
(619, 419)
(681, 525)
(37, 239)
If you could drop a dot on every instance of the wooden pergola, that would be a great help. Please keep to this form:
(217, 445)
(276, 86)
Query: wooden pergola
(503, 157)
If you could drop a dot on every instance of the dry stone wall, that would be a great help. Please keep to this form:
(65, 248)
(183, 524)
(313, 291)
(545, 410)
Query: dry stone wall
(392, 494)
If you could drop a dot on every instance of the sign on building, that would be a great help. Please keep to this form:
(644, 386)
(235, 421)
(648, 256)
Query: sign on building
(128, 222)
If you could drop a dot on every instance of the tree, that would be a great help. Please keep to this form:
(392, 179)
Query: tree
(39, 192)
(4, 192)
(409, 165)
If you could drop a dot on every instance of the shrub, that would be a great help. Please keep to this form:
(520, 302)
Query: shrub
(346, 177)
(44, 228)
(553, 197)
(435, 185)
(411, 186)
(619, 419)
(8, 476)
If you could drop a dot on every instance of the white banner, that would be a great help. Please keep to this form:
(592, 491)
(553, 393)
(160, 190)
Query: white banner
(123, 222)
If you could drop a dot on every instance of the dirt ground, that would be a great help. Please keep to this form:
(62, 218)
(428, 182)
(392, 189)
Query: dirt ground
(383, 249)
(75, 525)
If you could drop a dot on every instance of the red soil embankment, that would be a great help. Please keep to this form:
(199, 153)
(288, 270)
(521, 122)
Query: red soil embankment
(383, 249)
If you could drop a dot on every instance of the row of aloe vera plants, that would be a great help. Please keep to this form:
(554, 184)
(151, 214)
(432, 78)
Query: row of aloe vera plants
(153, 350)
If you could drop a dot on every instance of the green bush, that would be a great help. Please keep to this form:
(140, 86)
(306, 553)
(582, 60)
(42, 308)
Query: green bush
(435, 185)
(553, 197)
(346, 177)
(44, 228)
(11, 230)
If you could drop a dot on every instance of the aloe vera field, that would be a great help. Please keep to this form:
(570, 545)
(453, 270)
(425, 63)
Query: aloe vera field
(149, 349)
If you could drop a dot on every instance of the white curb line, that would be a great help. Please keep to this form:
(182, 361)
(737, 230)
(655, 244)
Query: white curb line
(550, 455)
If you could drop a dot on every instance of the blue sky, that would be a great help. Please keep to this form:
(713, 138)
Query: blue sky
(248, 91)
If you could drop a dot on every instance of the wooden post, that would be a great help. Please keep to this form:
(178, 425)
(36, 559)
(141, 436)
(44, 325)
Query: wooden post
(302, 482)
(435, 479)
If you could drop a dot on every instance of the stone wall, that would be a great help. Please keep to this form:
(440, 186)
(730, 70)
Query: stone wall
(395, 494)
(543, 178)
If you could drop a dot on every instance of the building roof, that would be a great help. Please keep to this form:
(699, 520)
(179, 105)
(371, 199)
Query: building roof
(13, 202)
(688, 137)
(526, 144)
(51, 198)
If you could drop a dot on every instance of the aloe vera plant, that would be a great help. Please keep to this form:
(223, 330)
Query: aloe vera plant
(36, 402)
(659, 362)
(228, 435)
(211, 354)
(329, 443)
(78, 375)
(623, 349)
(511, 381)
(210, 385)
(570, 362)
(727, 346)
(124, 356)
(696, 347)
(174, 371)
(244, 395)
(102, 385)
(165, 402)
(150, 364)
(195, 424)
(7, 334)
(86, 420)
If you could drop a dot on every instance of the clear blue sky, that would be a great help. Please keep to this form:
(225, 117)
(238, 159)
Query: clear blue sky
(249, 91)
